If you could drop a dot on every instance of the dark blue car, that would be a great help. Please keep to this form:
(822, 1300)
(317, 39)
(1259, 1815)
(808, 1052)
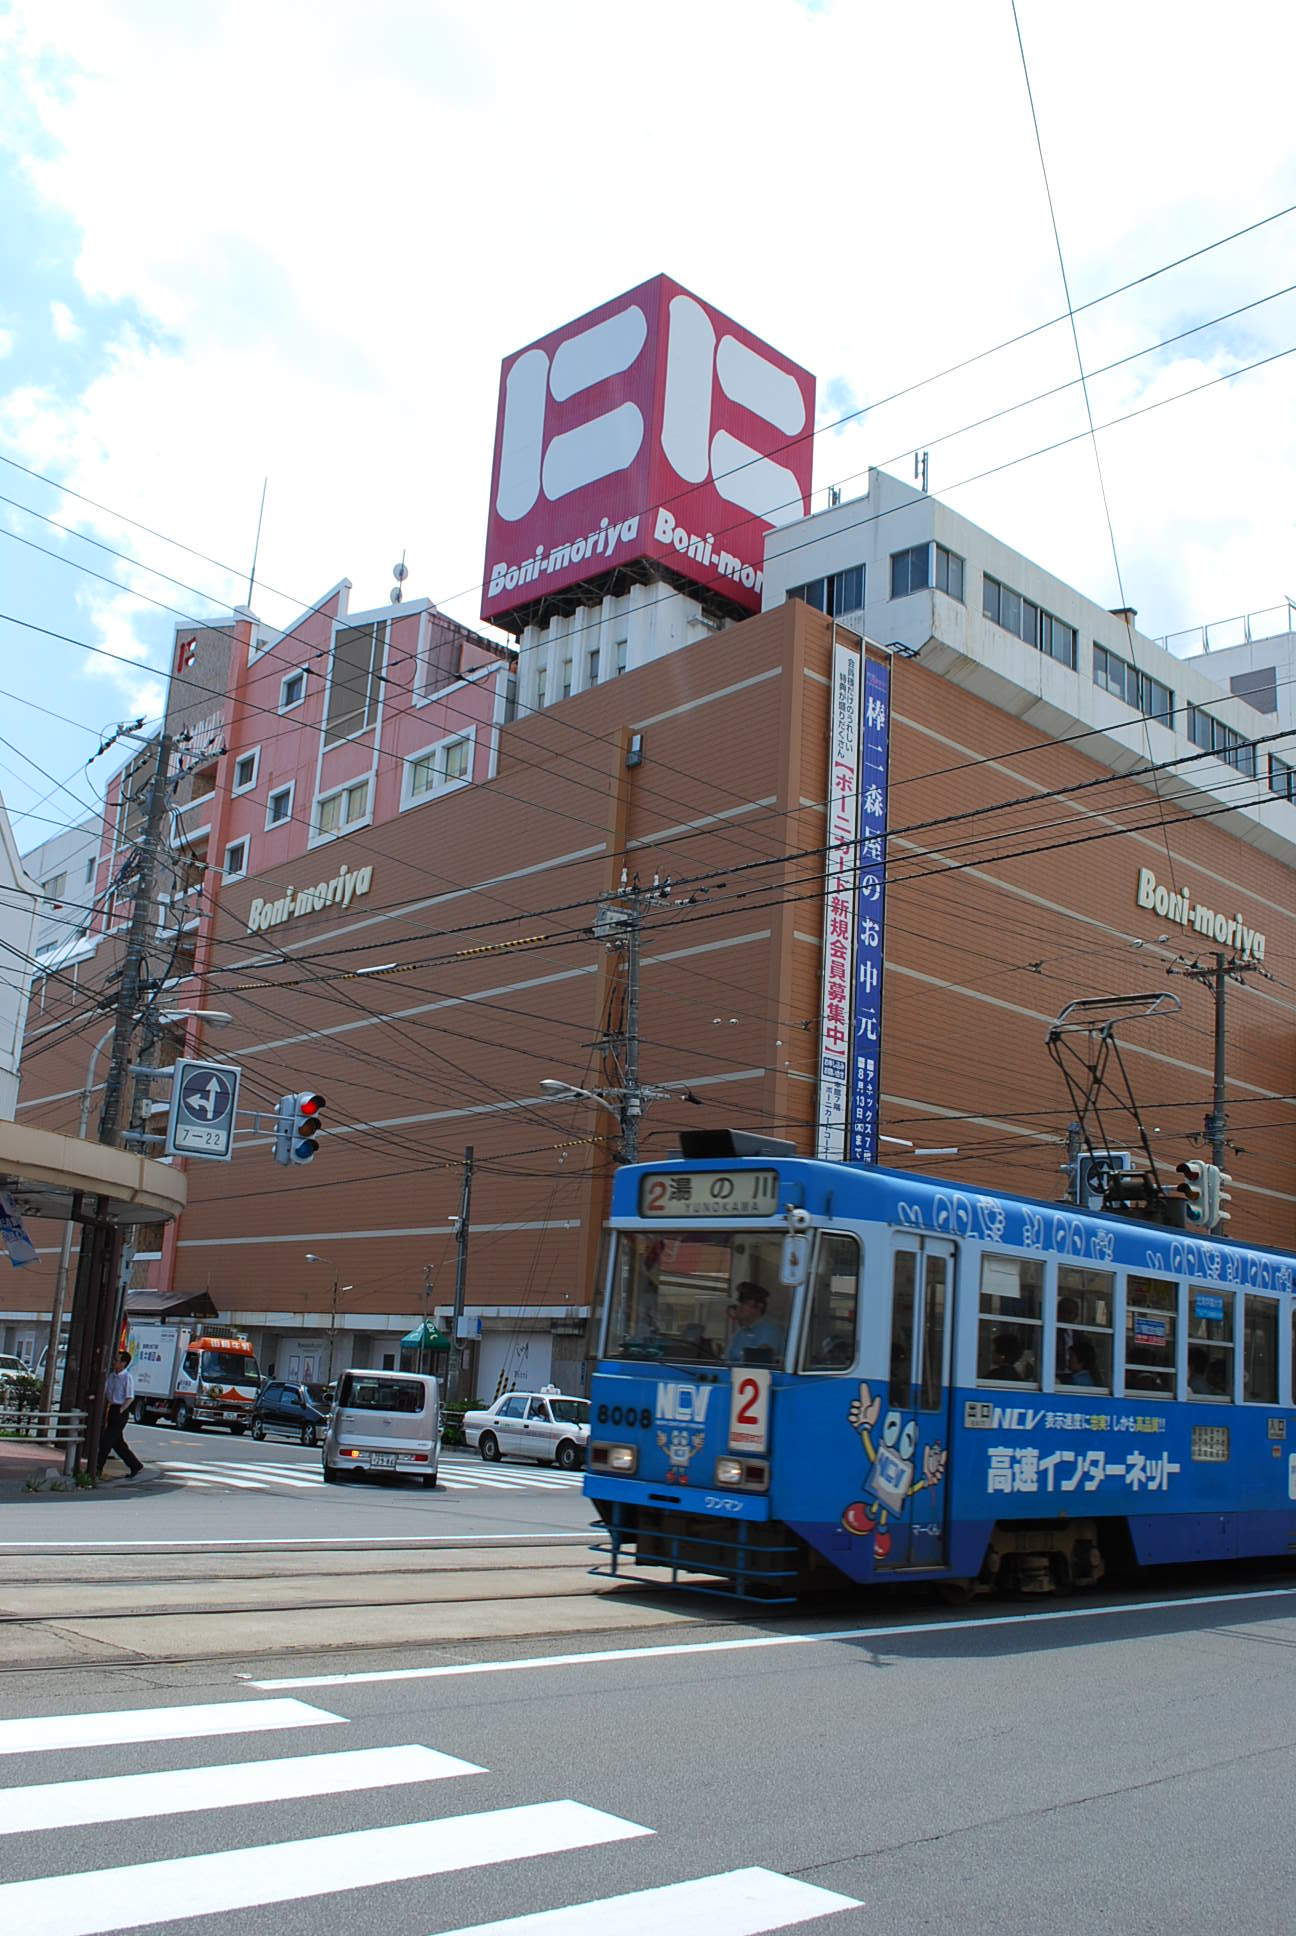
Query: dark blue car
(297, 1410)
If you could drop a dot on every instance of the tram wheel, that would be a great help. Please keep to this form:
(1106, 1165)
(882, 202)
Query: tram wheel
(956, 1593)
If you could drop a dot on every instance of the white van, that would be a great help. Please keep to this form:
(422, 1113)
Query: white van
(384, 1421)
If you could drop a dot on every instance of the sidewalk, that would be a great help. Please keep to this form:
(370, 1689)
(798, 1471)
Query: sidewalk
(21, 1458)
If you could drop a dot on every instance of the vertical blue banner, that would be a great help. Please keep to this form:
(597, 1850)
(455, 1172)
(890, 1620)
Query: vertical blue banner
(870, 914)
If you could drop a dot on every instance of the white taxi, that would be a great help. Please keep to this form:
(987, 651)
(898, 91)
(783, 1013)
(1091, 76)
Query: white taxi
(545, 1425)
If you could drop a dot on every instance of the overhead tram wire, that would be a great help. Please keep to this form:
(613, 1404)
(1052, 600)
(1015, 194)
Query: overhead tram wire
(832, 424)
(197, 622)
(725, 874)
(1010, 463)
(1084, 384)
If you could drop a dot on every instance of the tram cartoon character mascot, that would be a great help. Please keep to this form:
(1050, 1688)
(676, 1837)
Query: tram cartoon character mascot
(679, 1447)
(890, 1481)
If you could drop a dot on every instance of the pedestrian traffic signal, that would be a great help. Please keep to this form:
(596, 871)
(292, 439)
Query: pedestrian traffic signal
(298, 1121)
(1195, 1190)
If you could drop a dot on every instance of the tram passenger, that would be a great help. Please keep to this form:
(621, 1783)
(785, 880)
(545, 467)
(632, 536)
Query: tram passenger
(1199, 1371)
(1068, 1311)
(1005, 1360)
(758, 1339)
(1082, 1362)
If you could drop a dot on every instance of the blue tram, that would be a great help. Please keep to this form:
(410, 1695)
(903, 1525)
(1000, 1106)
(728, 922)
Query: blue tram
(812, 1371)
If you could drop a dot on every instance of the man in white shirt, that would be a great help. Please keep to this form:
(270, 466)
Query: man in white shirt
(119, 1396)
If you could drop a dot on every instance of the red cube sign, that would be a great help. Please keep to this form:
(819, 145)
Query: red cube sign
(652, 428)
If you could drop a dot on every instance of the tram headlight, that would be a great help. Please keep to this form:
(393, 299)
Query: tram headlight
(742, 1475)
(613, 1458)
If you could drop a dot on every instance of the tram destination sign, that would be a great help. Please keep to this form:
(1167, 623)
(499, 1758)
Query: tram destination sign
(709, 1193)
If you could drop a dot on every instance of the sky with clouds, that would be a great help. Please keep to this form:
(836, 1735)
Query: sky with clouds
(294, 241)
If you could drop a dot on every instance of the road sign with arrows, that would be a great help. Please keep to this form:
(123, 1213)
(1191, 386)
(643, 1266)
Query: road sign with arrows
(204, 1103)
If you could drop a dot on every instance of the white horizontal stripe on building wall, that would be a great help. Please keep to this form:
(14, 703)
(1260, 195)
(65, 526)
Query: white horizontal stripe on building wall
(983, 1122)
(1034, 1015)
(1152, 841)
(706, 820)
(395, 913)
(709, 698)
(412, 1230)
(818, 678)
(811, 940)
(704, 948)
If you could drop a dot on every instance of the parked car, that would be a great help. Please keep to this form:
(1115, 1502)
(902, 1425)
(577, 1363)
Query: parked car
(11, 1367)
(384, 1421)
(293, 1409)
(546, 1426)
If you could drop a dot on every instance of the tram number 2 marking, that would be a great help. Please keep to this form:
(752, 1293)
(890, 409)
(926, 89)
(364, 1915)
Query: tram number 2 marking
(749, 1392)
(640, 1415)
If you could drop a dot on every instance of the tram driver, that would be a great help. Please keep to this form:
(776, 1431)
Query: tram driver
(759, 1337)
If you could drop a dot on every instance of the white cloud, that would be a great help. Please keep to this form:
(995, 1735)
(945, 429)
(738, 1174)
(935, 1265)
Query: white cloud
(328, 293)
(6, 342)
(66, 326)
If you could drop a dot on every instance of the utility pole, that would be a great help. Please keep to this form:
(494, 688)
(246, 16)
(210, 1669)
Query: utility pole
(461, 1227)
(96, 1297)
(1215, 975)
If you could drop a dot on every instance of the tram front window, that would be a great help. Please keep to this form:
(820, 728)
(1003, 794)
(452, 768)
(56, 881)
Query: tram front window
(693, 1299)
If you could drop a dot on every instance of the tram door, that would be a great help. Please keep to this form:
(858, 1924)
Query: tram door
(915, 1417)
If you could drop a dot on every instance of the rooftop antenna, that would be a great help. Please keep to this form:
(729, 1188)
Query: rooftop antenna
(400, 573)
(920, 468)
(256, 549)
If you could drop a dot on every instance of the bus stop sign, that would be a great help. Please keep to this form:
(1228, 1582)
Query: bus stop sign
(204, 1102)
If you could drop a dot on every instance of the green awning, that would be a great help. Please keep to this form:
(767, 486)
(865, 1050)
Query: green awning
(425, 1337)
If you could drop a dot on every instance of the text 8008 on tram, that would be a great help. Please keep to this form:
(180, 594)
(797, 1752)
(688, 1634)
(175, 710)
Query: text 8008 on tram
(813, 1371)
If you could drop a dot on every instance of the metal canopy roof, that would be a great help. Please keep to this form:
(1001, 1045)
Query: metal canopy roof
(43, 1172)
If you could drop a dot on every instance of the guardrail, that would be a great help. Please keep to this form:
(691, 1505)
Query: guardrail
(25, 1422)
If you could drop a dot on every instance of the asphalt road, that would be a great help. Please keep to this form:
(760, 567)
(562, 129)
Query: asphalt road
(211, 1486)
(1019, 1769)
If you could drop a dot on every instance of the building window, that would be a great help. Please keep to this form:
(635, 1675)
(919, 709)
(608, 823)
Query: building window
(1213, 736)
(292, 690)
(236, 859)
(622, 651)
(91, 864)
(1029, 622)
(542, 682)
(245, 770)
(592, 668)
(1138, 689)
(55, 888)
(445, 765)
(337, 811)
(839, 595)
(567, 679)
(1282, 779)
(279, 806)
(354, 681)
(923, 566)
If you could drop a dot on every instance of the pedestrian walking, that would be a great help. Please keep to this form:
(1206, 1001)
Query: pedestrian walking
(119, 1396)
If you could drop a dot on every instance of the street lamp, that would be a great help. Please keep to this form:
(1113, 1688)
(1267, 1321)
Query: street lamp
(313, 1257)
(627, 1108)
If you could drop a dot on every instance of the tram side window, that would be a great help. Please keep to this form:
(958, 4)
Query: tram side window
(834, 1303)
(1260, 1351)
(1009, 1326)
(1084, 1327)
(904, 1300)
(1151, 1308)
(1210, 1343)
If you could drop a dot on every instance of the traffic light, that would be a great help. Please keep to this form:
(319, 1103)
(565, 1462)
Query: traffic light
(298, 1121)
(1219, 1197)
(1196, 1192)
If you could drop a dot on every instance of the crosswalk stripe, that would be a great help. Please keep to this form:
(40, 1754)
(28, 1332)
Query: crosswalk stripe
(743, 1902)
(99, 1900)
(195, 1473)
(189, 1791)
(228, 1478)
(35, 1734)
